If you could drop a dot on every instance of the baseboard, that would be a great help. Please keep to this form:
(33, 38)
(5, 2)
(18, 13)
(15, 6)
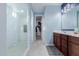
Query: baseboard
(49, 44)
(25, 53)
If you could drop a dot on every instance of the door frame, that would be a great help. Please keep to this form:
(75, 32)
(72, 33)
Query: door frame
(41, 24)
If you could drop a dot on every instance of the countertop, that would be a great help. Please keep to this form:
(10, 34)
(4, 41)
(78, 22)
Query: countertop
(75, 34)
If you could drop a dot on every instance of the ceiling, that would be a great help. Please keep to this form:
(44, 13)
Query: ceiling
(40, 7)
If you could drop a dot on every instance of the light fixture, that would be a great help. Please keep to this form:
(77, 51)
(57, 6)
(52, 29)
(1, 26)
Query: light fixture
(14, 14)
(72, 6)
(62, 10)
(65, 10)
(18, 10)
(68, 7)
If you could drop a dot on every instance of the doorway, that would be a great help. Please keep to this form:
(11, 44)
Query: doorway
(38, 27)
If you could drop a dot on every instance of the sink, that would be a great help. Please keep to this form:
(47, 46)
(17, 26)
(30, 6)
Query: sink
(76, 33)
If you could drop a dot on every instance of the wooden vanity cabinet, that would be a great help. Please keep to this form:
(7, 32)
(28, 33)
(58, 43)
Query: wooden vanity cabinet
(73, 46)
(60, 41)
(67, 44)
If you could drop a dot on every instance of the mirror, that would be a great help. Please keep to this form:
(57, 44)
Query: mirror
(70, 19)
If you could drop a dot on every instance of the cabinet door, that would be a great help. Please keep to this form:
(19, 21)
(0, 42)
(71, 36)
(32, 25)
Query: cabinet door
(74, 46)
(57, 40)
(64, 46)
(73, 49)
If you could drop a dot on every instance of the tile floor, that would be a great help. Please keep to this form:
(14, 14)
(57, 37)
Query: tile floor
(53, 51)
(18, 49)
(39, 49)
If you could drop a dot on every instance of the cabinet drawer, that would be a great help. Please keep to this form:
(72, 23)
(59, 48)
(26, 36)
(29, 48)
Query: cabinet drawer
(74, 40)
(73, 49)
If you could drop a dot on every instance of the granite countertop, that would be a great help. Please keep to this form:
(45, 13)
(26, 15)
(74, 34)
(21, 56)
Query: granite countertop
(75, 34)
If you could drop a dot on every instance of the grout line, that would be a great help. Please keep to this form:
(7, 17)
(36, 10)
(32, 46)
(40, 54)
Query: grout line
(25, 53)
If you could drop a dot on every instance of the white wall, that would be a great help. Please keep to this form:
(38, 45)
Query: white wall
(32, 26)
(29, 26)
(12, 26)
(3, 29)
(17, 39)
(13, 39)
(51, 22)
